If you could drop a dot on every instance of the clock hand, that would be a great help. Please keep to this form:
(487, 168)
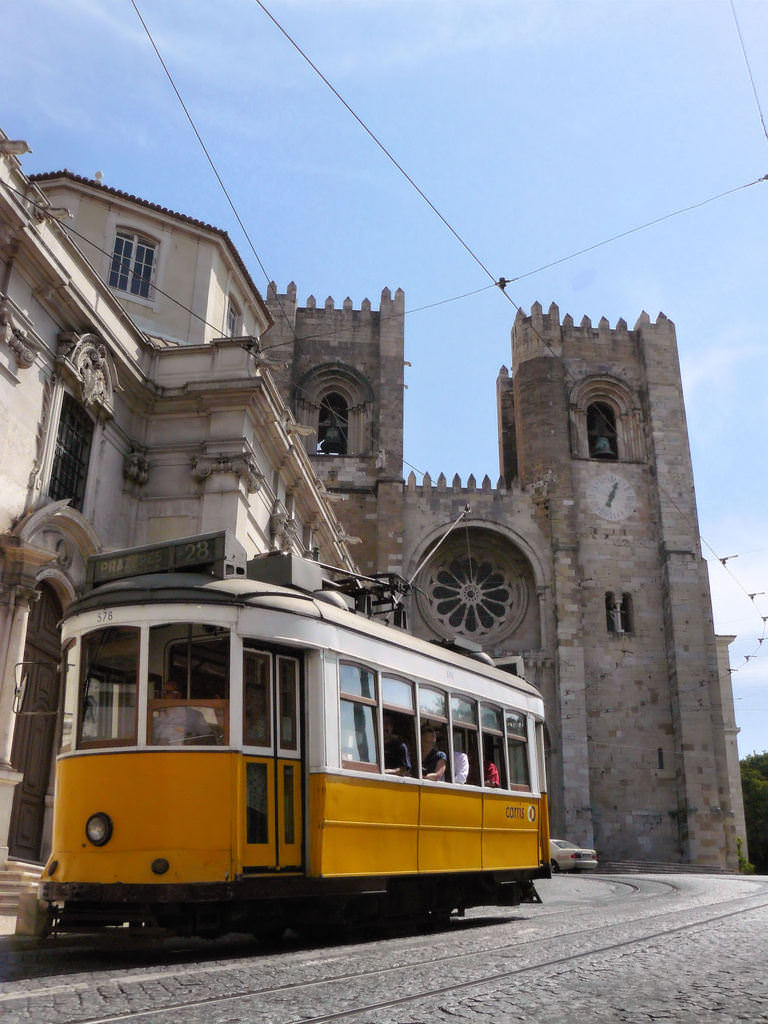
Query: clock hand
(612, 495)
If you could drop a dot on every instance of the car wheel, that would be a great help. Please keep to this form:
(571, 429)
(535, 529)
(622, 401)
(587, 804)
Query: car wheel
(555, 867)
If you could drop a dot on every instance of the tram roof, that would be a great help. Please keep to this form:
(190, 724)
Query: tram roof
(187, 587)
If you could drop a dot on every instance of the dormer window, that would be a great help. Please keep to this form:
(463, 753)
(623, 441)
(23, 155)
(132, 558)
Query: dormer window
(133, 261)
(234, 319)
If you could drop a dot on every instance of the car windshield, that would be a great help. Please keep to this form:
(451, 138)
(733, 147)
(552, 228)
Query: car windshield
(563, 845)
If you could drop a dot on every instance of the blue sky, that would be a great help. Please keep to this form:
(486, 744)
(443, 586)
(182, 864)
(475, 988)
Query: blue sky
(536, 128)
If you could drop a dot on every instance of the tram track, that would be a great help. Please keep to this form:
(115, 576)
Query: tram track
(384, 978)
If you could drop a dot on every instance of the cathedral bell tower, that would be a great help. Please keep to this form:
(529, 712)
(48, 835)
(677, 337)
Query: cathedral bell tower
(593, 418)
(341, 372)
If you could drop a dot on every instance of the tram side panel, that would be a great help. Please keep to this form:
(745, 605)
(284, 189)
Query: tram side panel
(365, 826)
(169, 805)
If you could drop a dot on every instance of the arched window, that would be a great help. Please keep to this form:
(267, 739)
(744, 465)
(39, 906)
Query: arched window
(618, 613)
(601, 431)
(333, 425)
(607, 421)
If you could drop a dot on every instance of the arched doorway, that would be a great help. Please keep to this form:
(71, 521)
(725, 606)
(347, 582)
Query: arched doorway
(35, 728)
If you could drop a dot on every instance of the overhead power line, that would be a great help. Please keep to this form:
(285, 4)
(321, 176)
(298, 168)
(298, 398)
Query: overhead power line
(378, 142)
(749, 69)
(640, 227)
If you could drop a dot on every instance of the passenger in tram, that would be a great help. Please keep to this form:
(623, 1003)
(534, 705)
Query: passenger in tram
(460, 767)
(178, 724)
(397, 757)
(491, 775)
(433, 761)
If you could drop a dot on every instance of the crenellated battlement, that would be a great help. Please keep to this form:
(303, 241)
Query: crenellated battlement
(389, 305)
(456, 488)
(539, 334)
(551, 321)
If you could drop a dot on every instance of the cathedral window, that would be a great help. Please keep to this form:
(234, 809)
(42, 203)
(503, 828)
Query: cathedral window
(606, 421)
(478, 586)
(133, 263)
(601, 431)
(73, 448)
(333, 425)
(618, 613)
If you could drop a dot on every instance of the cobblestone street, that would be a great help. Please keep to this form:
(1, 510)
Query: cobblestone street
(671, 949)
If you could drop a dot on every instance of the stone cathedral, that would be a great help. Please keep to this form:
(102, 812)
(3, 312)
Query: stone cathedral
(580, 568)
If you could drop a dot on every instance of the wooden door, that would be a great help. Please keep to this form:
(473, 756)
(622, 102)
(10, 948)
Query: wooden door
(35, 728)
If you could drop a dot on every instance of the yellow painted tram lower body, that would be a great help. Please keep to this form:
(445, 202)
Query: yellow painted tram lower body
(181, 853)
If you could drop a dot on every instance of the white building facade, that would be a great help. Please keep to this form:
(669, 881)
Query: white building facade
(135, 408)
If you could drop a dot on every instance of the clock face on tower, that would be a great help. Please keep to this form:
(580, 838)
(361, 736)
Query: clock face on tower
(611, 497)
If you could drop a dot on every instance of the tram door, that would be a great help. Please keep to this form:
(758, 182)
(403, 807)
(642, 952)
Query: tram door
(272, 784)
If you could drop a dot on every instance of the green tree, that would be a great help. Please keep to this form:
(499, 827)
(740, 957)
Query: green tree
(754, 784)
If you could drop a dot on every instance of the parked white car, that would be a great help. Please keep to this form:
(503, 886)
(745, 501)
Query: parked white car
(565, 856)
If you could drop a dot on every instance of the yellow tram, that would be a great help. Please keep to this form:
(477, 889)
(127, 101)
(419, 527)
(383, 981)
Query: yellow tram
(243, 750)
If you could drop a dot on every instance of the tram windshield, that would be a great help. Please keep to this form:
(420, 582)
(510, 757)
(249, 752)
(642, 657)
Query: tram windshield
(188, 685)
(187, 691)
(110, 661)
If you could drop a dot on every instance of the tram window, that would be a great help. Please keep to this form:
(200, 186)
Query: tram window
(359, 748)
(189, 685)
(289, 821)
(257, 711)
(433, 703)
(288, 706)
(397, 693)
(109, 683)
(433, 715)
(494, 768)
(357, 681)
(517, 751)
(466, 761)
(199, 663)
(399, 725)
(256, 823)
(69, 715)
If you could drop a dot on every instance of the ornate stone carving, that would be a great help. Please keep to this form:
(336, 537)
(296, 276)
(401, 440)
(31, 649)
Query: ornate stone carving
(136, 467)
(14, 332)
(86, 356)
(41, 434)
(282, 527)
(244, 466)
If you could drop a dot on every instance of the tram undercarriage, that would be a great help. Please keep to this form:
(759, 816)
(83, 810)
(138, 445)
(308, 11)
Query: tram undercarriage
(291, 901)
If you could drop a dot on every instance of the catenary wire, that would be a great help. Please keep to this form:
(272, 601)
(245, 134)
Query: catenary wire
(640, 227)
(377, 141)
(749, 69)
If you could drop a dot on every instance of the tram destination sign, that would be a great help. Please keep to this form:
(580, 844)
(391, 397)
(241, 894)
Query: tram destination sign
(218, 554)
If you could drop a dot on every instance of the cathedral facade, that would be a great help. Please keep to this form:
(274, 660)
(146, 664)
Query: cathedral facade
(581, 567)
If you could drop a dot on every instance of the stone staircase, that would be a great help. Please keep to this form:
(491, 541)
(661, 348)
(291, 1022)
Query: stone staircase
(16, 878)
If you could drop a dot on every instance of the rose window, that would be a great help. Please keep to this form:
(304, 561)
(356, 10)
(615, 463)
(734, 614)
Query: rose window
(481, 594)
(470, 595)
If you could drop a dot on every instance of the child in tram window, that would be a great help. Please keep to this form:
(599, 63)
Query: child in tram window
(433, 761)
(491, 774)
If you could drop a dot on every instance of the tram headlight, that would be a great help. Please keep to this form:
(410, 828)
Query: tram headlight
(98, 828)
